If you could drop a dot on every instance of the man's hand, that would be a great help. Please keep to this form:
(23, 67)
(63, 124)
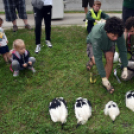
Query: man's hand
(105, 82)
(107, 85)
(24, 65)
(96, 21)
(124, 73)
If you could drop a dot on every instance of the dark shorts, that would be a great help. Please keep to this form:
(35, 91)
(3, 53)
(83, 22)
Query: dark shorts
(126, 13)
(90, 50)
(10, 9)
(86, 2)
(4, 49)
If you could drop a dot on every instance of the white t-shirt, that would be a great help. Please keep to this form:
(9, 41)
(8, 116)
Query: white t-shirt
(3, 38)
(48, 2)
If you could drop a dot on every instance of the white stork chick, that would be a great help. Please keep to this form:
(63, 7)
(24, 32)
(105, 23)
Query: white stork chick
(58, 110)
(83, 110)
(111, 109)
(130, 100)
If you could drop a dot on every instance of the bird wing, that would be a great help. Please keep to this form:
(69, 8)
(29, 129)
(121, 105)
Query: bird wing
(78, 113)
(63, 113)
(54, 114)
(130, 103)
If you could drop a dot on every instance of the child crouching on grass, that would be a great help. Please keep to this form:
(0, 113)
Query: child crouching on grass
(21, 58)
(3, 44)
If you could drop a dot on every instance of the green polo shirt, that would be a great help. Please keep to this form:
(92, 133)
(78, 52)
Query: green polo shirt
(128, 3)
(100, 42)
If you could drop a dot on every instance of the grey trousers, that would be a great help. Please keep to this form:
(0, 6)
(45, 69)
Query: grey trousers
(16, 65)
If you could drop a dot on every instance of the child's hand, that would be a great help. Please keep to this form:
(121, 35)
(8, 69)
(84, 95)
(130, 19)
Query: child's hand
(7, 41)
(96, 21)
(0, 44)
(24, 65)
(30, 63)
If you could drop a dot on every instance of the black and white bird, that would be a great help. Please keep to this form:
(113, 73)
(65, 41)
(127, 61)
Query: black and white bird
(58, 110)
(83, 110)
(111, 109)
(130, 100)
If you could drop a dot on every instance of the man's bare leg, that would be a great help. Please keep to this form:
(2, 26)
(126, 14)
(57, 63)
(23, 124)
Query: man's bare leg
(109, 63)
(91, 63)
(14, 22)
(86, 10)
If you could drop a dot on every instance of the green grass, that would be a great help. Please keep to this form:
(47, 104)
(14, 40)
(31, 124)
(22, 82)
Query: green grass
(61, 71)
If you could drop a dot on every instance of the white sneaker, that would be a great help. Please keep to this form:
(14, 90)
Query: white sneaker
(15, 73)
(32, 69)
(48, 43)
(38, 48)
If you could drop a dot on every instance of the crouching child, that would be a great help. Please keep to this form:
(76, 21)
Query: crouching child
(21, 58)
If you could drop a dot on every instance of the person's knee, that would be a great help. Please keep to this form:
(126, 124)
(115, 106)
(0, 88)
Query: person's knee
(15, 65)
(32, 59)
(109, 60)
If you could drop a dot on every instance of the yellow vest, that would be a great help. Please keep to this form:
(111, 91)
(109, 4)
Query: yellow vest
(93, 15)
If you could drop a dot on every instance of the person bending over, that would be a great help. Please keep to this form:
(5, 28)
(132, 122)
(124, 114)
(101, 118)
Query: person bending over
(102, 38)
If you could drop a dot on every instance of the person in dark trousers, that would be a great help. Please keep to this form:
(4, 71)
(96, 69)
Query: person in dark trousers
(10, 12)
(94, 15)
(85, 6)
(102, 38)
(44, 13)
(128, 9)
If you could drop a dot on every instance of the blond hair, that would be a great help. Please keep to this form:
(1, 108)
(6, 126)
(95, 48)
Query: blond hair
(18, 43)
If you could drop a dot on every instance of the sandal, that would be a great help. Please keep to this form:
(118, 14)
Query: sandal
(109, 88)
(89, 65)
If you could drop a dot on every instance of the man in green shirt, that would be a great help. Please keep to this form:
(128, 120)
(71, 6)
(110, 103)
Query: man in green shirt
(102, 38)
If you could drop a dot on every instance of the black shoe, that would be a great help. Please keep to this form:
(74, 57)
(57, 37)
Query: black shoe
(84, 19)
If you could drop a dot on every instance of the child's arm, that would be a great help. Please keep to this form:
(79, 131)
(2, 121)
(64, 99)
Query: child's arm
(89, 17)
(27, 57)
(5, 36)
(104, 16)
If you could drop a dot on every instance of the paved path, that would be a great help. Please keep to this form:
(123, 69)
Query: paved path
(68, 20)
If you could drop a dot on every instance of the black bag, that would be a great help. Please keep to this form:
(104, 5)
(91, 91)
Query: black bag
(37, 3)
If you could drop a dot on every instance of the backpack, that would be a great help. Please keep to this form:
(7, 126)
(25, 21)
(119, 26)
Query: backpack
(37, 3)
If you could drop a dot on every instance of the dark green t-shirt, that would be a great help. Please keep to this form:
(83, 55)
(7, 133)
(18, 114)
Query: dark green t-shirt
(128, 3)
(100, 42)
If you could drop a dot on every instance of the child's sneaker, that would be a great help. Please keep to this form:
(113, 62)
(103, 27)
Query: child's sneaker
(32, 69)
(15, 73)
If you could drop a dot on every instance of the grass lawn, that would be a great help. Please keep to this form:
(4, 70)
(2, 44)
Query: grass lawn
(61, 71)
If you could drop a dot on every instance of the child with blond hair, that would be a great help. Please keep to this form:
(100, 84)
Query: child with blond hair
(3, 44)
(21, 58)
